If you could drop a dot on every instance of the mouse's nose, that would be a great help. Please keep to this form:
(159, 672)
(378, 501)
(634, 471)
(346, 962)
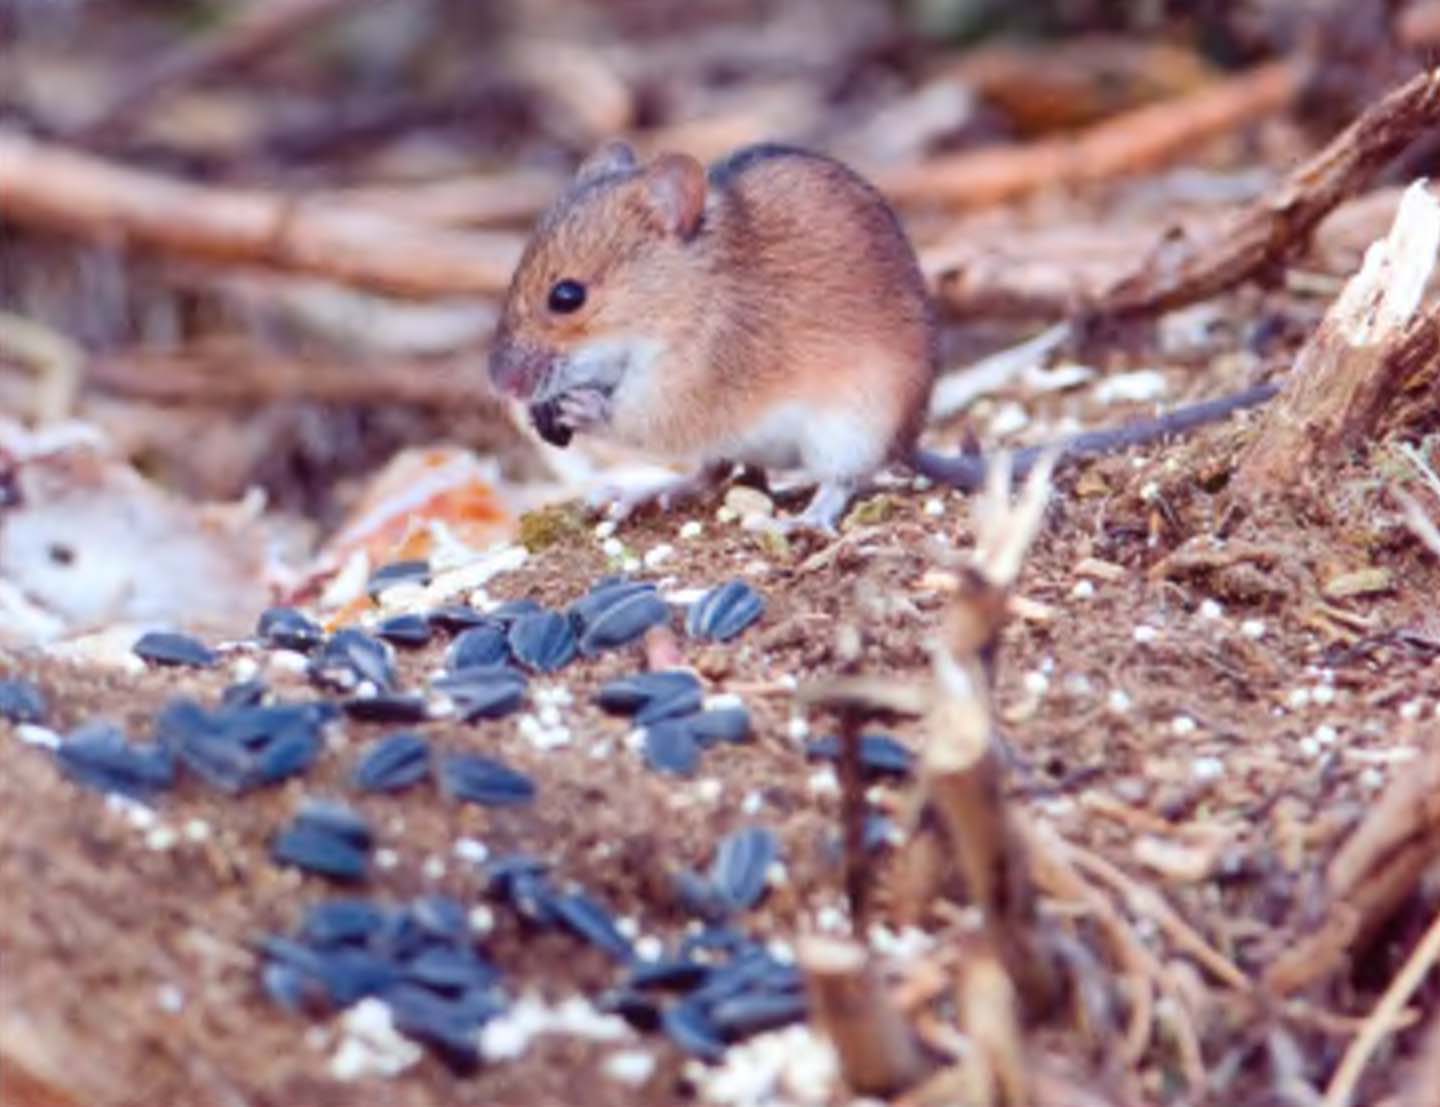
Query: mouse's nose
(516, 369)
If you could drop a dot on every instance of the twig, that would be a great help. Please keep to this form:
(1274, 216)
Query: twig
(1137, 140)
(875, 1046)
(1382, 1019)
(49, 186)
(1354, 365)
(1281, 224)
(1148, 902)
(260, 29)
(238, 380)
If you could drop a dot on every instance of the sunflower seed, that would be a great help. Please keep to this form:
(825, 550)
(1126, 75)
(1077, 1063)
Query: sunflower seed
(245, 693)
(98, 756)
(164, 647)
(616, 615)
(352, 656)
(655, 695)
(398, 572)
(22, 702)
(744, 1015)
(484, 693)
(741, 864)
(879, 753)
(543, 642)
(589, 920)
(473, 778)
(289, 629)
(670, 747)
(335, 922)
(386, 708)
(724, 724)
(405, 630)
(393, 763)
(724, 612)
(478, 647)
(327, 839)
(457, 617)
(689, 1027)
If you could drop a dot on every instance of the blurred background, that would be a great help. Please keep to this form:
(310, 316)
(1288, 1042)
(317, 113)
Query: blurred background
(299, 275)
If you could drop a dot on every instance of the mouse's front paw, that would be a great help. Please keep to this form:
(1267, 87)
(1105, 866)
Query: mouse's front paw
(584, 408)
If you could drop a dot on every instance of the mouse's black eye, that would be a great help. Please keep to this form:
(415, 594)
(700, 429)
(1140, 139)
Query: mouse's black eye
(566, 296)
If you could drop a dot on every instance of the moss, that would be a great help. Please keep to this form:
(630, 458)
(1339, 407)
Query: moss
(877, 509)
(560, 524)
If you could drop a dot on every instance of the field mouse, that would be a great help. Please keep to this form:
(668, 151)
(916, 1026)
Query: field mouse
(769, 311)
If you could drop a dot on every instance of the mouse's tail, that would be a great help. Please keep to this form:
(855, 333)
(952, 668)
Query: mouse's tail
(967, 471)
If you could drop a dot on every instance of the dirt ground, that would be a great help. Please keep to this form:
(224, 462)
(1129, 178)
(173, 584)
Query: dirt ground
(1200, 688)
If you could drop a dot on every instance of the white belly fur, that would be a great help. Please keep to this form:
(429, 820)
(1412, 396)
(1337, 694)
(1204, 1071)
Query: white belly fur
(826, 444)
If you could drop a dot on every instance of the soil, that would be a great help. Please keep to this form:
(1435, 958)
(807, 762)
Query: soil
(1254, 710)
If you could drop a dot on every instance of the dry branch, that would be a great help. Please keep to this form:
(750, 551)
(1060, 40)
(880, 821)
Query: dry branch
(1272, 230)
(877, 1050)
(1359, 358)
(252, 381)
(1137, 140)
(58, 189)
(259, 29)
(1376, 869)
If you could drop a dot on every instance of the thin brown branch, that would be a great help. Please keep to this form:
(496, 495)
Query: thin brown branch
(1274, 229)
(259, 29)
(55, 188)
(1137, 140)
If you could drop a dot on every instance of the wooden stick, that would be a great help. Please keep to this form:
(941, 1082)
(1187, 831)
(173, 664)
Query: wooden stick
(1137, 140)
(48, 186)
(259, 29)
(1383, 1018)
(1281, 224)
(1353, 366)
(877, 1050)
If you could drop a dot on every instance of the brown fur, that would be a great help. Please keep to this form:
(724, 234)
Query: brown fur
(796, 285)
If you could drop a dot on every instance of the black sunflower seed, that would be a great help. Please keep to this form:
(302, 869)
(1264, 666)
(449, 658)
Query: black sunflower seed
(670, 747)
(632, 695)
(587, 918)
(640, 1011)
(165, 647)
(405, 630)
(543, 642)
(725, 611)
(327, 839)
(479, 647)
(394, 762)
(474, 778)
(607, 592)
(484, 693)
(511, 610)
(289, 629)
(245, 693)
(545, 418)
(98, 756)
(879, 753)
(742, 862)
(398, 572)
(674, 973)
(22, 702)
(387, 708)
(441, 917)
(743, 1015)
(447, 1027)
(335, 922)
(623, 621)
(239, 748)
(449, 969)
(689, 1027)
(456, 617)
(723, 724)
(352, 656)
(294, 989)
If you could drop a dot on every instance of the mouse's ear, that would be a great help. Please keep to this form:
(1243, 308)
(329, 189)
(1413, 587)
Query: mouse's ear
(675, 187)
(615, 156)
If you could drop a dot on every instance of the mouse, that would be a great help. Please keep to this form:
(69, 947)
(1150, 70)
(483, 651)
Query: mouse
(768, 311)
